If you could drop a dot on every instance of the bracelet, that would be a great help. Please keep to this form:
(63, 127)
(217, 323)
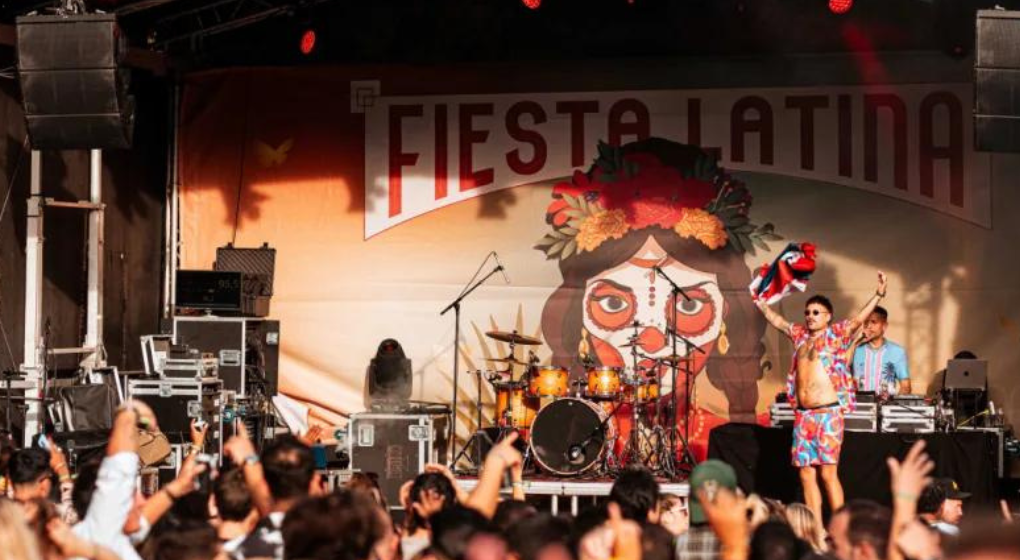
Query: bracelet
(879, 294)
(65, 478)
(517, 484)
(905, 496)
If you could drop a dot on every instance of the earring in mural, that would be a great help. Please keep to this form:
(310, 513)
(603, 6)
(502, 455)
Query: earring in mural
(724, 341)
(582, 345)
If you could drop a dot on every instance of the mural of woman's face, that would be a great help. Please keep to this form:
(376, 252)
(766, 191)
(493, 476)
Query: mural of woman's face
(615, 298)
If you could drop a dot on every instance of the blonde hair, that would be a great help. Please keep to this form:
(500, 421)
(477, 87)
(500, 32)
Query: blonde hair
(19, 542)
(805, 525)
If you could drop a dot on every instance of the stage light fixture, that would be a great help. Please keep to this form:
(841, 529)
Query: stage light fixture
(389, 374)
(308, 41)
(532, 4)
(840, 6)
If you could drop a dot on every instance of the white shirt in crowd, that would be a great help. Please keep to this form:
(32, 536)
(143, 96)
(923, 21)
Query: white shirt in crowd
(111, 503)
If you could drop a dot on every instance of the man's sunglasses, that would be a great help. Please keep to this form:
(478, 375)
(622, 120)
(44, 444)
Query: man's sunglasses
(815, 312)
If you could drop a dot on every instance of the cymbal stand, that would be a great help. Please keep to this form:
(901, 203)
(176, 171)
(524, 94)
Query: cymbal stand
(632, 451)
(672, 468)
(481, 435)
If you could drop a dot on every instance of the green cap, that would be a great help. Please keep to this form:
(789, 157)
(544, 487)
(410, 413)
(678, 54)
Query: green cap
(709, 476)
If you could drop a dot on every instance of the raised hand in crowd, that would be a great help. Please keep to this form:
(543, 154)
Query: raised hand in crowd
(727, 515)
(626, 535)
(241, 451)
(501, 457)
(159, 503)
(907, 480)
(312, 436)
(198, 433)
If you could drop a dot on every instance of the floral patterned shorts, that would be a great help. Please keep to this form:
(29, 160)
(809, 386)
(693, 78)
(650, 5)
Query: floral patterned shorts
(817, 436)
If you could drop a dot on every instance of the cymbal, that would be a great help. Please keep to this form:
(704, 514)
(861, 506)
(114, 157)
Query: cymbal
(513, 338)
(673, 359)
(510, 360)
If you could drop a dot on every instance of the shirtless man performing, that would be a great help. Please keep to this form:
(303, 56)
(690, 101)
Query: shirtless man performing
(821, 388)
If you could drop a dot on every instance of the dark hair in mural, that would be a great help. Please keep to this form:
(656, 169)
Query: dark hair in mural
(736, 373)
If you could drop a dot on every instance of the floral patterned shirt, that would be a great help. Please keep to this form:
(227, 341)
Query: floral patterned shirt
(833, 350)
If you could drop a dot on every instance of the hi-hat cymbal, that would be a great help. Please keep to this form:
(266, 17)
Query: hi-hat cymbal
(510, 360)
(513, 338)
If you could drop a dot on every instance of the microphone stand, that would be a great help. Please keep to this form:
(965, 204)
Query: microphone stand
(455, 306)
(688, 457)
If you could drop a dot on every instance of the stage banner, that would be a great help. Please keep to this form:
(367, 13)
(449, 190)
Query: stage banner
(384, 208)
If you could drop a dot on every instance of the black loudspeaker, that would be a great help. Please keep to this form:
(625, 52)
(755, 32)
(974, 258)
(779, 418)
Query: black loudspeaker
(997, 81)
(74, 90)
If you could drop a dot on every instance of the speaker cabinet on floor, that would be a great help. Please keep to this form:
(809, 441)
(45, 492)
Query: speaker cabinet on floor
(74, 90)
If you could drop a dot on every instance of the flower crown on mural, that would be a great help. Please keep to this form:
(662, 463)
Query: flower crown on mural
(622, 193)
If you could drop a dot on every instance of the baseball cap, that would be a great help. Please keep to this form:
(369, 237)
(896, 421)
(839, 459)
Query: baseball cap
(950, 489)
(709, 476)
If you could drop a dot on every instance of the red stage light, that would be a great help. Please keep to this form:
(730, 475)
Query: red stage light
(533, 4)
(308, 42)
(840, 6)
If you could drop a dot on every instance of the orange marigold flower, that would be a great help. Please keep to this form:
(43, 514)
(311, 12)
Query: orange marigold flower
(699, 224)
(600, 226)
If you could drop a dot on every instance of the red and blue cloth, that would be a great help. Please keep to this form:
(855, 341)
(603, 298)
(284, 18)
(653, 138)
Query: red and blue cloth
(790, 271)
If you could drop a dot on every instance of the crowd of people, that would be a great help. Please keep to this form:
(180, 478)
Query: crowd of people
(274, 505)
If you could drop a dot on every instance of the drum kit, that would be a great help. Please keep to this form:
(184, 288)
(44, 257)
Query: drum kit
(607, 419)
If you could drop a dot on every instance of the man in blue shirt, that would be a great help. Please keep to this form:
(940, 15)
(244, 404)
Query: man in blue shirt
(879, 362)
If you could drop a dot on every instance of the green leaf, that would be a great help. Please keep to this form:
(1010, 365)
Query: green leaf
(571, 200)
(735, 241)
(573, 212)
(746, 228)
(758, 242)
(569, 249)
(745, 240)
(582, 202)
(772, 236)
(575, 223)
(558, 234)
(572, 232)
(557, 247)
(739, 220)
(545, 241)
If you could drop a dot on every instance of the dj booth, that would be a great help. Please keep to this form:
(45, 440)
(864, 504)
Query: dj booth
(761, 457)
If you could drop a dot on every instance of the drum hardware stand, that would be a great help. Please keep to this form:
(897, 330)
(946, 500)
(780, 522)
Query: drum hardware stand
(672, 468)
(479, 434)
(632, 451)
(455, 305)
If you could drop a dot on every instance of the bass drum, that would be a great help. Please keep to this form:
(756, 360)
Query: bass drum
(566, 438)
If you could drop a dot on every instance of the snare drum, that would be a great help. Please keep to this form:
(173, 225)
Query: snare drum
(603, 382)
(643, 392)
(514, 408)
(548, 381)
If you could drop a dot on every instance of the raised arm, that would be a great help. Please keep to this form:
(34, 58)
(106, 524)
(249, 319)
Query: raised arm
(774, 319)
(862, 315)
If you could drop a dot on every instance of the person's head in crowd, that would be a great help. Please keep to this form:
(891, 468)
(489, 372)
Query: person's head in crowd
(540, 537)
(343, 525)
(817, 312)
(775, 540)
(860, 531)
(673, 514)
(710, 476)
(431, 492)
(876, 324)
(367, 482)
(454, 530)
(511, 512)
(7, 449)
(85, 486)
(18, 541)
(941, 502)
(231, 507)
(30, 474)
(289, 470)
(637, 493)
(983, 537)
(191, 541)
(965, 355)
(657, 543)
(806, 526)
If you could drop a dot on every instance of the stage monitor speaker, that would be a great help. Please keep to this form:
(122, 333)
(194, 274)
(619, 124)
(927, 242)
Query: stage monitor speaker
(73, 88)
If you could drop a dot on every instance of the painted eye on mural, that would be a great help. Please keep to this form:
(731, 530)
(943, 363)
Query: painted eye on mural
(690, 307)
(612, 304)
(695, 315)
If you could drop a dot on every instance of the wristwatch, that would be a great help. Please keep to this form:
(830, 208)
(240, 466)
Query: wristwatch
(251, 459)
